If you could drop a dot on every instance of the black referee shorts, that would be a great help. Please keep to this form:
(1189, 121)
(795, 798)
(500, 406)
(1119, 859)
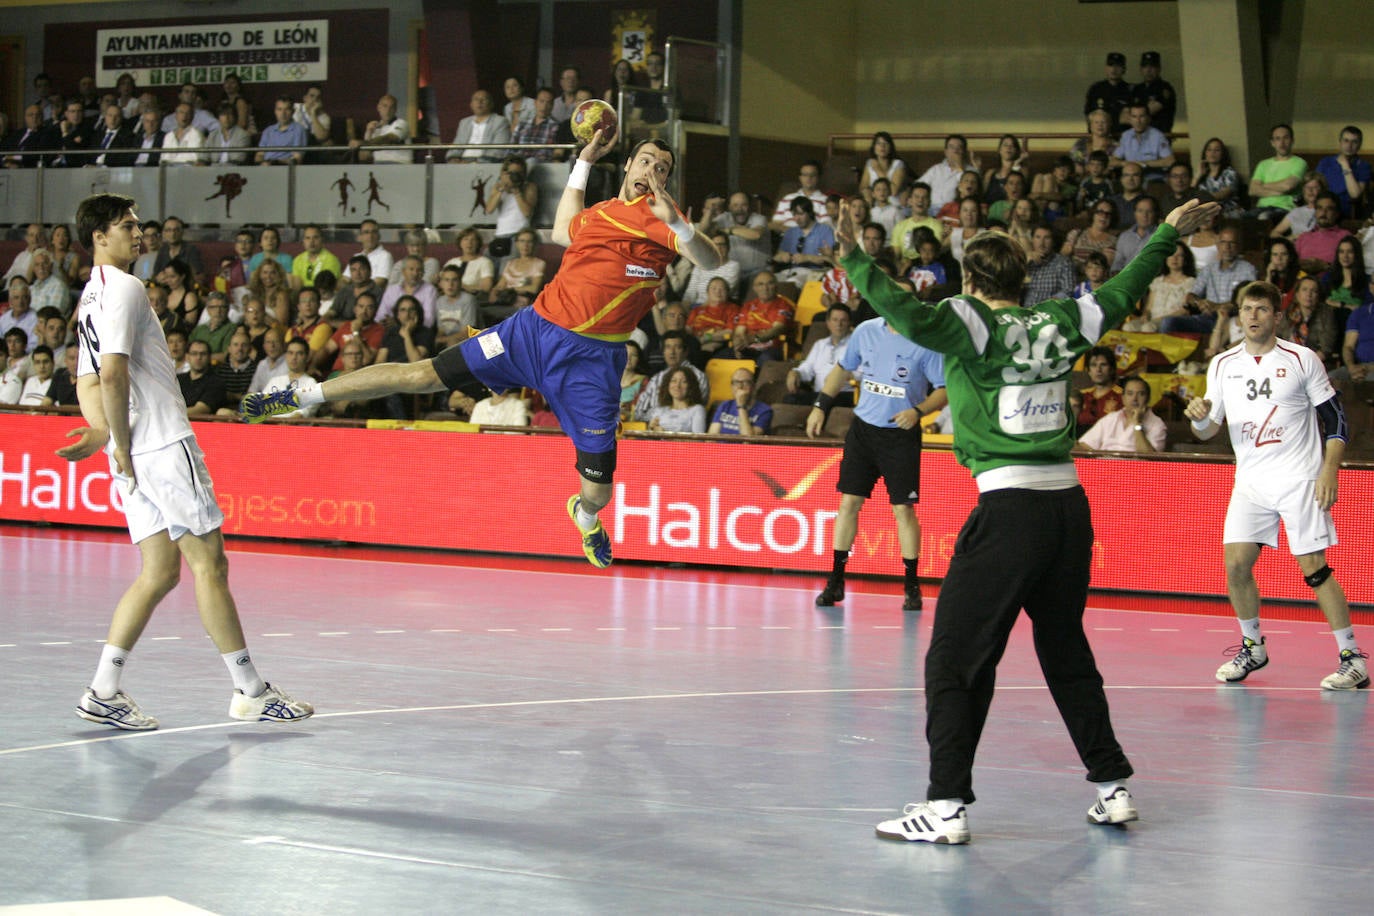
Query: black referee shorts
(893, 454)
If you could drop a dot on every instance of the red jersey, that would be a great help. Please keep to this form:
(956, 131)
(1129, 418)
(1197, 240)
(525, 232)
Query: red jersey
(722, 317)
(606, 282)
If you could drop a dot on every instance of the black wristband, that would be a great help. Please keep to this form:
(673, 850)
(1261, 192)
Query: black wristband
(919, 412)
(824, 401)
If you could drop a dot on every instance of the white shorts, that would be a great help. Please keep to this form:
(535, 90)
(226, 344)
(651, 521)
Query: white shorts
(174, 493)
(1253, 518)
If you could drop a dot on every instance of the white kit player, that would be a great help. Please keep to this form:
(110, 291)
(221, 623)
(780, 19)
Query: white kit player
(1272, 393)
(127, 388)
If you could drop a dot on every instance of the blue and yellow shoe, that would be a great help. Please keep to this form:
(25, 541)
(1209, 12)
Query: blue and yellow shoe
(596, 544)
(259, 405)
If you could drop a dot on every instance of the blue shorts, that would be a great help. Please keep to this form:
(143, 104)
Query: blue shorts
(578, 376)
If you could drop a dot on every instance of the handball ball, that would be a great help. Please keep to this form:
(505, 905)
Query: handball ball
(589, 117)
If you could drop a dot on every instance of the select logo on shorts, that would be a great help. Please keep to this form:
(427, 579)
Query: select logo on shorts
(640, 272)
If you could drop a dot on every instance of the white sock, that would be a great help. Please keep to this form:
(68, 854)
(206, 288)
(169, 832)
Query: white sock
(246, 679)
(1346, 639)
(107, 672)
(1250, 629)
(946, 807)
(585, 520)
(1105, 789)
(309, 397)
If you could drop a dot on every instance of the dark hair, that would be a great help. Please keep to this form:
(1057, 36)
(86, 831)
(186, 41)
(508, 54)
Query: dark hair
(1106, 353)
(1327, 195)
(47, 312)
(879, 226)
(227, 108)
(42, 348)
(1015, 142)
(325, 279)
(1287, 127)
(20, 333)
(97, 212)
(996, 265)
(1289, 280)
(1225, 154)
(1189, 262)
(1116, 214)
(360, 259)
(1098, 155)
(182, 270)
(693, 389)
(657, 144)
(403, 300)
(1359, 275)
(882, 135)
(1352, 129)
(299, 341)
(1261, 289)
(1098, 258)
(639, 354)
(1149, 392)
(803, 203)
(918, 185)
(841, 306)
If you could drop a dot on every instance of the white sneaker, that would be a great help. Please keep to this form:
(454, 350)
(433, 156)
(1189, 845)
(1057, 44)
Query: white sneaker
(119, 711)
(920, 824)
(273, 705)
(1117, 808)
(1250, 656)
(1353, 674)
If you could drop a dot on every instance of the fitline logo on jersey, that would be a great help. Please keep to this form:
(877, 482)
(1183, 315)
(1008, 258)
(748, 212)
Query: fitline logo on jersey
(49, 489)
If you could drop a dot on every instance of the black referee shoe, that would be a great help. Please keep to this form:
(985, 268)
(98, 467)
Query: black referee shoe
(832, 594)
(913, 599)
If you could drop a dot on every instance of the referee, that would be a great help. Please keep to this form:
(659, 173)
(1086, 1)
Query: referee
(900, 382)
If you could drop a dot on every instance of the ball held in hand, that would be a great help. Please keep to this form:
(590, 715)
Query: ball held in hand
(590, 116)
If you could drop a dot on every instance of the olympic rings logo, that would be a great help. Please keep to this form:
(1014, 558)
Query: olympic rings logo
(294, 71)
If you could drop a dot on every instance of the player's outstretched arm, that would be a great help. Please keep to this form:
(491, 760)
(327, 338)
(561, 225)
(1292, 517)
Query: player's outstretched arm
(1191, 216)
(696, 247)
(575, 194)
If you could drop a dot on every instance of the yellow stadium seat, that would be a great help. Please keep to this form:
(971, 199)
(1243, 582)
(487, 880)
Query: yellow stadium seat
(718, 372)
(809, 305)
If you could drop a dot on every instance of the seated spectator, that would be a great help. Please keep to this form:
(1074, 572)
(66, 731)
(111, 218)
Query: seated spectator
(67, 262)
(1303, 217)
(672, 317)
(1049, 275)
(1095, 273)
(217, 331)
(1143, 144)
(1319, 243)
(483, 126)
(271, 286)
(326, 284)
(713, 322)
(675, 351)
(370, 238)
(191, 96)
(1022, 219)
(1180, 189)
(1011, 157)
(309, 113)
(201, 386)
(177, 343)
(931, 276)
(295, 375)
(1097, 183)
(1055, 191)
(20, 314)
(18, 366)
(970, 185)
(513, 200)
(903, 237)
(228, 143)
(35, 238)
(1227, 332)
(270, 351)
(48, 289)
(805, 250)
(1218, 179)
(36, 134)
(700, 278)
(417, 246)
(407, 340)
(74, 135)
(479, 272)
(361, 328)
(144, 266)
(1132, 189)
(1357, 346)
(310, 325)
(970, 224)
(256, 324)
(1214, 288)
(523, 276)
(1013, 189)
(314, 258)
(182, 144)
(384, 139)
(35, 390)
(235, 282)
(182, 298)
(1274, 180)
(236, 371)
(540, 128)
(412, 284)
(1168, 293)
(235, 99)
(501, 408)
(115, 139)
(269, 243)
(821, 358)
(883, 210)
(632, 378)
(742, 415)
(1100, 236)
(352, 357)
(62, 390)
(52, 332)
(359, 283)
(1312, 322)
(169, 320)
(1130, 242)
(1103, 396)
(1281, 267)
(456, 310)
(1347, 282)
(1203, 244)
(835, 286)
(175, 246)
(883, 163)
(148, 137)
(810, 177)
(1347, 175)
(679, 405)
(285, 132)
(764, 320)
(942, 178)
(1132, 428)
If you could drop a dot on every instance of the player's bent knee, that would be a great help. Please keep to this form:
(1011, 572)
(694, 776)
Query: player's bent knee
(1317, 579)
(597, 467)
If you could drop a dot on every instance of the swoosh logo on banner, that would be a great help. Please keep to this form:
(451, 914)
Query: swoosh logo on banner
(802, 486)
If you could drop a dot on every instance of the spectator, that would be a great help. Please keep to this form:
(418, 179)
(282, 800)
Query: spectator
(1303, 217)
(383, 139)
(35, 389)
(1144, 144)
(675, 350)
(272, 287)
(805, 249)
(483, 126)
(62, 391)
(1347, 175)
(713, 322)
(1319, 243)
(1013, 189)
(416, 242)
(479, 273)
(1180, 188)
(680, 406)
(413, 285)
(1056, 190)
(201, 387)
(309, 113)
(314, 258)
(623, 78)
(1095, 271)
(269, 243)
(1098, 236)
(821, 358)
(883, 162)
(569, 81)
(49, 289)
(310, 325)
(74, 135)
(1133, 428)
(175, 246)
(149, 137)
(931, 277)
(743, 414)
(285, 132)
(764, 320)
(883, 210)
(114, 138)
(167, 319)
(236, 371)
(228, 142)
(1214, 288)
(700, 278)
(1281, 267)
(1111, 94)
(360, 282)
(1097, 184)
(1049, 275)
(1347, 281)
(191, 96)
(513, 200)
(184, 139)
(1156, 94)
(36, 134)
(256, 324)
(456, 310)
(1011, 157)
(1104, 395)
(51, 328)
(20, 314)
(144, 268)
(747, 232)
(235, 281)
(361, 328)
(1273, 180)
(970, 224)
(1313, 323)
(1168, 293)
(632, 378)
(216, 332)
(651, 106)
(1203, 244)
(673, 317)
(1132, 189)
(519, 108)
(352, 357)
(540, 127)
(1218, 179)
(1022, 218)
(835, 286)
(370, 238)
(270, 350)
(18, 365)
(235, 99)
(35, 238)
(942, 178)
(1227, 332)
(1357, 347)
(1129, 243)
(295, 375)
(522, 277)
(970, 185)
(810, 178)
(1100, 139)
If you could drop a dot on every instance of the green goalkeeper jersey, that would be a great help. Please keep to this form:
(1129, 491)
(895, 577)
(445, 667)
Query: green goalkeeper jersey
(1007, 370)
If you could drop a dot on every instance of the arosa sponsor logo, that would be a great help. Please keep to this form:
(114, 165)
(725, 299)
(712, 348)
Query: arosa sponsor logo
(68, 489)
(718, 522)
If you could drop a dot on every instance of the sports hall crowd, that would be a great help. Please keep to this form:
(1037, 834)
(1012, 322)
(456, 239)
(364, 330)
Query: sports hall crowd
(755, 337)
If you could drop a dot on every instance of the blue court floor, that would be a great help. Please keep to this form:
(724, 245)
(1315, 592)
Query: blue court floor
(492, 739)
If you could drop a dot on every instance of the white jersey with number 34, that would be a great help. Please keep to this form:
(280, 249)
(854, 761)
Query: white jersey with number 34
(1269, 402)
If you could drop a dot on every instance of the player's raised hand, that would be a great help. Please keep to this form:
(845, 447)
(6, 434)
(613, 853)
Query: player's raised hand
(600, 144)
(846, 232)
(1188, 217)
(660, 201)
(1198, 409)
(91, 441)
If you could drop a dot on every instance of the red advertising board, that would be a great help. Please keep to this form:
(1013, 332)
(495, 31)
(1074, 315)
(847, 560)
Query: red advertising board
(1158, 523)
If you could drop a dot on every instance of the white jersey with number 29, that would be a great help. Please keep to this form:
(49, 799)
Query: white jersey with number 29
(1269, 402)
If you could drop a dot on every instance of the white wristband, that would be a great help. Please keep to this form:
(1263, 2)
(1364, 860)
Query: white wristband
(685, 231)
(578, 178)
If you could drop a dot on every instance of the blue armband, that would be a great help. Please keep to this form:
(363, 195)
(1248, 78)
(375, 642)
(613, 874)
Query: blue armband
(1332, 416)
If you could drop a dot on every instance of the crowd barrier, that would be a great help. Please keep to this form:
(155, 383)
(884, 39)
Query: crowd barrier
(736, 504)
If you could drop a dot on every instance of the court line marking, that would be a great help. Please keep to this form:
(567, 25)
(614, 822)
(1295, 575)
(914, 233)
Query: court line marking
(572, 701)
